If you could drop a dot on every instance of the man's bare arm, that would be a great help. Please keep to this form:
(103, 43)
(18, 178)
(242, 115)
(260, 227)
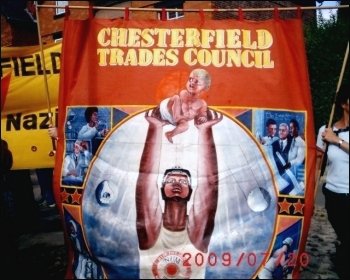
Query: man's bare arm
(148, 210)
(202, 214)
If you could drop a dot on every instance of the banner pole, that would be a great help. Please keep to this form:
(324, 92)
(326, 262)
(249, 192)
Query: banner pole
(339, 84)
(324, 156)
(45, 77)
(197, 10)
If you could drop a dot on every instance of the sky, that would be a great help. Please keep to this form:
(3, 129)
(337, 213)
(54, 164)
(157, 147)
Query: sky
(328, 12)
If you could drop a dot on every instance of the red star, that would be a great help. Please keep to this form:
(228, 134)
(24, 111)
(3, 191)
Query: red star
(76, 197)
(64, 196)
(298, 207)
(285, 206)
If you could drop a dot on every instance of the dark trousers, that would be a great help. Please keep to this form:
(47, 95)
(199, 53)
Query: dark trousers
(338, 210)
(45, 180)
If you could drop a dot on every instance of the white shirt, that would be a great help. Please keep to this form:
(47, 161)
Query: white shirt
(76, 162)
(297, 151)
(87, 132)
(283, 142)
(268, 140)
(337, 179)
(171, 249)
(70, 164)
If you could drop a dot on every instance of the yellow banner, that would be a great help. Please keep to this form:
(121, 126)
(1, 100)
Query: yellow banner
(25, 103)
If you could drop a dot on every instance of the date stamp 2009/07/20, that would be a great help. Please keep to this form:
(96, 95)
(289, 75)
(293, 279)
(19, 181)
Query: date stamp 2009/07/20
(291, 259)
(172, 263)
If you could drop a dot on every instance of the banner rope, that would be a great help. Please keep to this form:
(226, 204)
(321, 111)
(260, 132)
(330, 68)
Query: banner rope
(320, 170)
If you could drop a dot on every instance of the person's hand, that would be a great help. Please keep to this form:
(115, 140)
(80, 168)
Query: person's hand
(104, 132)
(329, 136)
(52, 131)
(201, 120)
(84, 145)
(213, 118)
(93, 123)
(287, 165)
(154, 118)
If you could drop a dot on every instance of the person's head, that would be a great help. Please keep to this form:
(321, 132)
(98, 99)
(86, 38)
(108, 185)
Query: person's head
(271, 127)
(6, 156)
(91, 114)
(77, 146)
(294, 127)
(288, 242)
(283, 131)
(342, 100)
(176, 184)
(198, 81)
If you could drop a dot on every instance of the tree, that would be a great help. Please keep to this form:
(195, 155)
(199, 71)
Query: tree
(325, 48)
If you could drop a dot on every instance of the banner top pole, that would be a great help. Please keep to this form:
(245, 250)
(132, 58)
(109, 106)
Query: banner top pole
(197, 10)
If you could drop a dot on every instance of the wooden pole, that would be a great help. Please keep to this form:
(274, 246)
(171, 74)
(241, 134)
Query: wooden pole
(47, 93)
(197, 10)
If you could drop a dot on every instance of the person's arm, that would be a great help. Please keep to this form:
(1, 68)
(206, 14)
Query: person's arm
(202, 213)
(148, 210)
(344, 146)
(300, 157)
(320, 150)
(202, 113)
(319, 155)
(203, 110)
(52, 132)
(103, 132)
(87, 132)
(279, 256)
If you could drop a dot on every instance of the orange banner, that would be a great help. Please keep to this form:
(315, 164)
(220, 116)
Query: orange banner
(186, 149)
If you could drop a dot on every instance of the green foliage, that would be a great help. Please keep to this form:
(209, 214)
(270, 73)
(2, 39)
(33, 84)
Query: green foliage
(325, 48)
